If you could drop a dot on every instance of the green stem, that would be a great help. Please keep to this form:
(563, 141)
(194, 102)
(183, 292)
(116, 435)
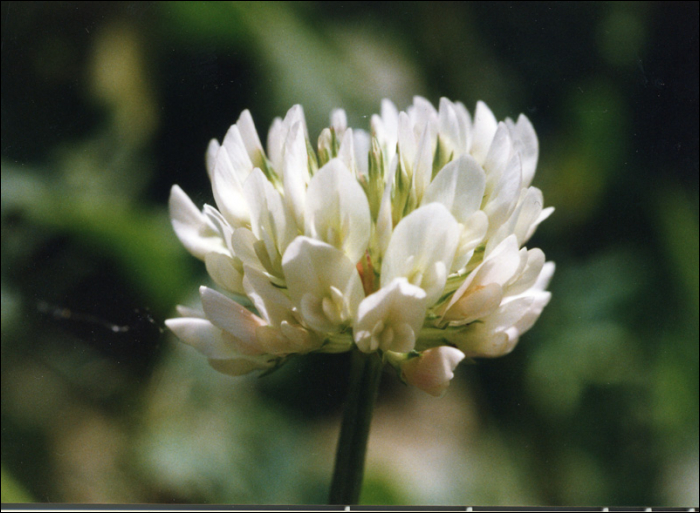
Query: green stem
(365, 374)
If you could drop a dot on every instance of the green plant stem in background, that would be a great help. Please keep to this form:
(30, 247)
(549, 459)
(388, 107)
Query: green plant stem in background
(365, 375)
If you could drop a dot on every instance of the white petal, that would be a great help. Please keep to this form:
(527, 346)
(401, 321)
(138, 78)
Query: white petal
(423, 166)
(499, 267)
(218, 223)
(276, 137)
(337, 211)
(300, 339)
(478, 343)
(497, 158)
(473, 232)
(296, 115)
(222, 269)
(399, 306)
(433, 370)
(533, 269)
(526, 143)
(228, 191)
(449, 126)
(362, 146)
(270, 301)
(378, 131)
(191, 226)
(407, 142)
(545, 276)
(279, 132)
(250, 138)
(210, 158)
(422, 114)
(521, 221)
(476, 304)
(346, 151)
(312, 270)
(267, 213)
(273, 341)
(509, 313)
(498, 333)
(244, 245)
(231, 317)
(237, 153)
(540, 300)
(339, 122)
(421, 249)
(484, 129)
(459, 186)
(296, 172)
(543, 215)
(505, 196)
(465, 126)
(204, 337)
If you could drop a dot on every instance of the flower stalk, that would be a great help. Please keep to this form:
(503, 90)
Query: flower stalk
(365, 375)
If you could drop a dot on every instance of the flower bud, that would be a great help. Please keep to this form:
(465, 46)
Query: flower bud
(432, 370)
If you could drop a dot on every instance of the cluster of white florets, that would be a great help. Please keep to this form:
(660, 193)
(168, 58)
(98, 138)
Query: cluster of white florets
(407, 241)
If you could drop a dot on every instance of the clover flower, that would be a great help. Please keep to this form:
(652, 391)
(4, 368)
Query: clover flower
(407, 241)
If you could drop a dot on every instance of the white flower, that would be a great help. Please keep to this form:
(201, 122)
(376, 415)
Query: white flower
(391, 318)
(497, 332)
(225, 351)
(405, 240)
(421, 249)
(323, 284)
(432, 370)
(192, 227)
(337, 211)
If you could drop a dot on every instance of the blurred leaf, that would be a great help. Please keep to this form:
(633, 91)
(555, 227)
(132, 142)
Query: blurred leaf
(139, 240)
(204, 23)
(589, 341)
(587, 160)
(378, 490)
(622, 32)
(208, 437)
(678, 221)
(10, 308)
(597, 353)
(12, 491)
(320, 67)
(600, 288)
(120, 80)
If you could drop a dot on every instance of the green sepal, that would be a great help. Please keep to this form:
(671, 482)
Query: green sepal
(325, 147)
(412, 354)
(374, 187)
(395, 362)
(441, 157)
(400, 192)
(269, 172)
(312, 160)
(335, 142)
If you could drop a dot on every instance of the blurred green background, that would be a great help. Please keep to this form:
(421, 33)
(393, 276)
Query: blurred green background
(106, 105)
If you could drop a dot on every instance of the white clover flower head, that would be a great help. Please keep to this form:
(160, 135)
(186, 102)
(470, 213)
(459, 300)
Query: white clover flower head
(407, 240)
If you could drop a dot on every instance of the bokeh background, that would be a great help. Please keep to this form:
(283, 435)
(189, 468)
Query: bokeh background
(106, 105)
